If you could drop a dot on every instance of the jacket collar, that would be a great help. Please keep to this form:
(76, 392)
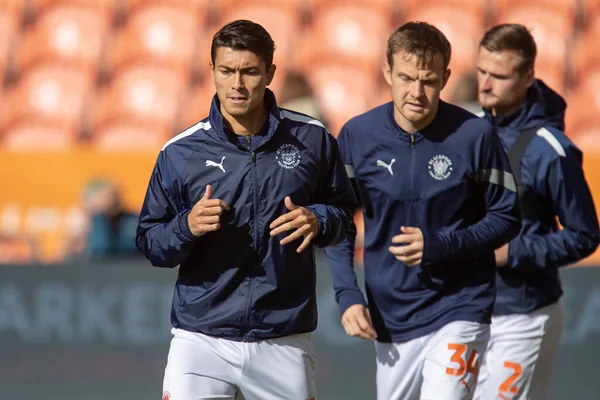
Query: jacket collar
(217, 122)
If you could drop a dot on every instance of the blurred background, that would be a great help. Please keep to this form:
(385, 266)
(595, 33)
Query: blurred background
(90, 90)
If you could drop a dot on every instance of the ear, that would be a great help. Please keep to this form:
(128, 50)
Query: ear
(387, 73)
(212, 69)
(529, 78)
(271, 73)
(446, 77)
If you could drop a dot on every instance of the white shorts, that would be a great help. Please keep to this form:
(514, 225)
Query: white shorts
(521, 354)
(441, 365)
(205, 367)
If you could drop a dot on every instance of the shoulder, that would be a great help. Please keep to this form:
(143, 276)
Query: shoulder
(468, 126)
(552, 144)
(299, 121)
(181, 147)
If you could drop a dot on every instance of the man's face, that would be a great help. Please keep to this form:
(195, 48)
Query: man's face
(240, 78)
(415, 89)
(502, 88)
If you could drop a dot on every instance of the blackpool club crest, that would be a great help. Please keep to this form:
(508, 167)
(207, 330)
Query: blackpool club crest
(440, 167)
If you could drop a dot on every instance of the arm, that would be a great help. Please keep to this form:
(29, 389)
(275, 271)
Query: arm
(564, 183)
(163, 234)
(341, 256)
(336, 201)
(502, 220)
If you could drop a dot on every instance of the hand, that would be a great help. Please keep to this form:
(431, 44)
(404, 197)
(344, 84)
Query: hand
(206, 214)
(501, 254)
(411, 250)
(357, 322)
(299, 218)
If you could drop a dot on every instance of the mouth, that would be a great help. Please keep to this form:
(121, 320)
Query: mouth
(415, 106)
(237, 99)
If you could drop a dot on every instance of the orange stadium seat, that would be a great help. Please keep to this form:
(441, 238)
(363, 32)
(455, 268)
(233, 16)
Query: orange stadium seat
(38, 134)
(104, 7)
(463, 29)
(144, 94)
(553, 74)
(282, 24)
(53, 92)
(197, 104)
(123, 135)
(590, 9)
(586, 55)
(69, 35)
(160, 34)
(343, 90)
(352, 33)
(197, 8)
(568, 8)
(10, 19)
(551, 29)
(478, 8)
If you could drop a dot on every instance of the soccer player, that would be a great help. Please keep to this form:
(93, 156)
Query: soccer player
(438, 198)
(239, 201)
(529, 119)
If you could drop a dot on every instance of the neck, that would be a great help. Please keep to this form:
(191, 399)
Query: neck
(509, 109)
(413, 127)
(246, 125)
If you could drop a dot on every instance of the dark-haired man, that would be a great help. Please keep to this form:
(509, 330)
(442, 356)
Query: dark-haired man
(239, 201)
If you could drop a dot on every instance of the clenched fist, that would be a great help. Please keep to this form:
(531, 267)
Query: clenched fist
(206, 214)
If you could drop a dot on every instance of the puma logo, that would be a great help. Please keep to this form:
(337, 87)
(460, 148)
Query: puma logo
(210, 163)
(386, 165)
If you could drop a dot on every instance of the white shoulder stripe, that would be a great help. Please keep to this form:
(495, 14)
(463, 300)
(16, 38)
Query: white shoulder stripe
(300, 118)
(546, 134)
(200, 125)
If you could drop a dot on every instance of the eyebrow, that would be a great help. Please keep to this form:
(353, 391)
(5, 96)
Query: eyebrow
(242, 70)
(491, 74)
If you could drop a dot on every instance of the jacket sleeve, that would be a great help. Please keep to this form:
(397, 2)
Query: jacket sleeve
(341, 257)
(562, 181)
(502, 220)
(163, 234)
(335, 201)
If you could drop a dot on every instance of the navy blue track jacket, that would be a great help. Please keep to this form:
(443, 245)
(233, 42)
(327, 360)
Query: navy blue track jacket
(552, 170)
(453, 181)
(238, 282)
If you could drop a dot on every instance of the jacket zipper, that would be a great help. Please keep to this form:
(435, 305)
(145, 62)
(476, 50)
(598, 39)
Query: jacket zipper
(256, 238)
(412, 165)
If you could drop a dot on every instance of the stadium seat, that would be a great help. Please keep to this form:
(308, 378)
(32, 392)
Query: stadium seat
(567, 8)
(343, 90)
(143, 94)
(53, 92)
(586, 55)
(463, 29)
(124, 135)
(551, 29)
(160, 34)
(10, 20)
(478, 8)
(38, 134)
(351, 33)
(196, 8)
(282, 24)
(553, 74)
(105, 7)
(197, 104)
(69, 35)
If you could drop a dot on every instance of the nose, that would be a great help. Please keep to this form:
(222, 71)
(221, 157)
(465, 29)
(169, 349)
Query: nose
(237, 81)
(485, 83)
(416, 89)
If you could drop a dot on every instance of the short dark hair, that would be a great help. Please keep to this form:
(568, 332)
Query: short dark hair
(419, 39)
(244, 35)
(512, 37)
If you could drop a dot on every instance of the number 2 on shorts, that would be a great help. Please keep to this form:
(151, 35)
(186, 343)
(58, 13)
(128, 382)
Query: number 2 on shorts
(458, 357)
(508, 385)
